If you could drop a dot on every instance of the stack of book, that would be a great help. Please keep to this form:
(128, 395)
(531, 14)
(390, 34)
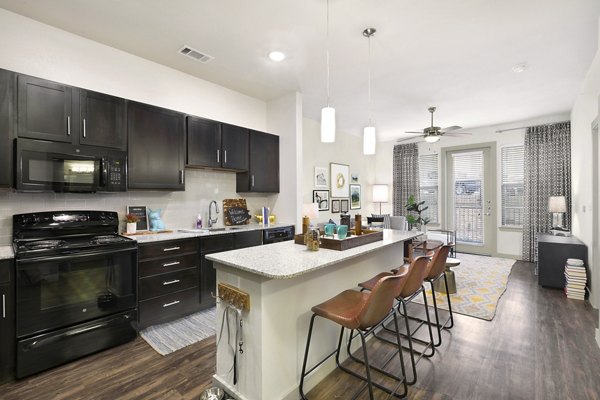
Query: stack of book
(575, 279)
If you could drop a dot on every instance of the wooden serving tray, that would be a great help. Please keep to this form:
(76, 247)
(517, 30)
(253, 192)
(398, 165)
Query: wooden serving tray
(366, 237)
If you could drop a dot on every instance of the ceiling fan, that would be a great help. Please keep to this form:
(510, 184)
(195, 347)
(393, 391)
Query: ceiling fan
(432, 133)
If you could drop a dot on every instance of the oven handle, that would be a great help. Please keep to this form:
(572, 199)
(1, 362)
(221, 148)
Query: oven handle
(69, 255)
(72, 332)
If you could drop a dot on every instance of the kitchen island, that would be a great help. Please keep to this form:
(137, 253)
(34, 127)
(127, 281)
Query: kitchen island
(284, 280)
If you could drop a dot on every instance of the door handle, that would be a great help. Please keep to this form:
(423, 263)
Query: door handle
(252, 180)
(170, 264)
(69, 125)
(3, 306)
(181, 177)
(84, 127)
(171, 304)
(218, 154)
(224, 156)
(171, 248)
(171, 282)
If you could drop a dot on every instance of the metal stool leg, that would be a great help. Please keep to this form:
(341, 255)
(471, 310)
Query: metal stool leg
(449, 304)
(301, 387)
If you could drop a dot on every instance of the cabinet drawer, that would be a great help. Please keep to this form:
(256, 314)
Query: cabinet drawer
(167, 264)
(216, 243)
(5, 270)
(168, 307)
(158, 285)
(165, 249)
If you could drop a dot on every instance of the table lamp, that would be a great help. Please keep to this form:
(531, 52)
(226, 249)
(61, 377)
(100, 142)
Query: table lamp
(380, 194)
(557, 205)
(309, 211)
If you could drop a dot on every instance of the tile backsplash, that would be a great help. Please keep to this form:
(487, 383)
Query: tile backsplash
(179, 209)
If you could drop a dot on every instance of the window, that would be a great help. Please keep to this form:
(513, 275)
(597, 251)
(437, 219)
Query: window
(428, 185)
(513, 186)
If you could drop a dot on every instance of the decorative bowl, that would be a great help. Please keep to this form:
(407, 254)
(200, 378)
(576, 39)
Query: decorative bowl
(214, 393)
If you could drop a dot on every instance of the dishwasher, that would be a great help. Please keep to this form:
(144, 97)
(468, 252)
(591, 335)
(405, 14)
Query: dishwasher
(281, 234)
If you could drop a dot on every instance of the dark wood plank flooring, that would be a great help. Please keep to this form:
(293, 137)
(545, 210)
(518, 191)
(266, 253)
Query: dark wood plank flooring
(539, 346)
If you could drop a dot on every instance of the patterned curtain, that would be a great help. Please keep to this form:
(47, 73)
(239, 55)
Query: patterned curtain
(547, 173)
(406, 175)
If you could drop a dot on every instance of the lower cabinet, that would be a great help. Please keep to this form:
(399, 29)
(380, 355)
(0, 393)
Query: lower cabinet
(208, 275)
(7, 321)
(168, 280)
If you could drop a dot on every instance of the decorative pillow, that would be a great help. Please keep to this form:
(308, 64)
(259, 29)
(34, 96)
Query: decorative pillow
(386, 220)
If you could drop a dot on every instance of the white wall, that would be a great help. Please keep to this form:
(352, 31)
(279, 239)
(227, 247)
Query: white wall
(509, 241)
(37, 49)
(347, 149)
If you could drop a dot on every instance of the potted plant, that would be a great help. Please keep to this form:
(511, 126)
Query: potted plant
(131, 221)
(417, 208)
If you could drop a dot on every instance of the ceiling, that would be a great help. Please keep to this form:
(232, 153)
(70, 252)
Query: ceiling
(456, 54)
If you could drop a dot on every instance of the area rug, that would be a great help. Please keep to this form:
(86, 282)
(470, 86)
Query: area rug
(480, 282)
(171, 336)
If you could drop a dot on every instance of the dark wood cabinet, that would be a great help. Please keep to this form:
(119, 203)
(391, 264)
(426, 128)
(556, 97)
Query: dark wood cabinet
(156, 148)
(7, 96)
(103, 120)
(44, 109)
(7, 321)
(60, 113)
(168, 280)
(248, 239)
(212, 144)
(208, 275)
(263, 172)
(552, 254)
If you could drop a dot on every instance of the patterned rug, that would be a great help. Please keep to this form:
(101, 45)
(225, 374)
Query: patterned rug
(171, 336)
(480, 282)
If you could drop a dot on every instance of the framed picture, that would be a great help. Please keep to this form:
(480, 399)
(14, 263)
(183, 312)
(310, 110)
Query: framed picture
(321, 178)
(344, 206)
(335, 206)
(142, 214)
(354, 197)
(354, 178)
(338, 179)
(321, 197)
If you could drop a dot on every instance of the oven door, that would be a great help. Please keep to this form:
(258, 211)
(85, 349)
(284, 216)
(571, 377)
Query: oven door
(56, 292)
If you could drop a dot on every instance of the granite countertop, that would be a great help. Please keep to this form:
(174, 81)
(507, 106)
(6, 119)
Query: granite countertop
(6, 252)
(286, 260)
(190, 233)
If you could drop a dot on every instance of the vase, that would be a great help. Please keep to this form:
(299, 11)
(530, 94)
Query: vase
(131, 227)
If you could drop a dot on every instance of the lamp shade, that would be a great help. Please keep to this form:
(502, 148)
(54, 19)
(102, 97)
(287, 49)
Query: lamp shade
(328, 125)
(380, 193)
(432, 138)
(369, 140)
(310, 210)
(557, 204)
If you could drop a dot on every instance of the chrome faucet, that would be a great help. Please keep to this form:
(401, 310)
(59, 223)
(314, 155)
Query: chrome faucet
(210, 220)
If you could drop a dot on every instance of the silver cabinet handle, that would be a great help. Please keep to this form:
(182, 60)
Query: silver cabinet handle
(3, 306)
(170, 264)
(84, 127)
(181, 176)
(171, 304)
(218, 154)
(171, 282)
(252, 180)
(225, 156)
(69, 125)
(172, 248)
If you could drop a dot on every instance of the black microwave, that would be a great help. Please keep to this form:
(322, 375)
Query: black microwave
(63, 167)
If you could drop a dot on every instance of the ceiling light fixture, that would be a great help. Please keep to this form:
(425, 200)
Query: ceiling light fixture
(432, 138)
(327, 113)
(520, 67)
(277, 56)
(369, 134)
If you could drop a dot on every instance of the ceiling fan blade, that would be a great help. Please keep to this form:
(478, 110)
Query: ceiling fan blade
(458, 134)
(405, 139)
(414, 132)
(451, 128)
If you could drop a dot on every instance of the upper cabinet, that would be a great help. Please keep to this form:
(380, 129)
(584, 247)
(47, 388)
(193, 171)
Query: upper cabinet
(212, 144)
(156, 148)
(7, 80)
(263, 172)
(61, 113)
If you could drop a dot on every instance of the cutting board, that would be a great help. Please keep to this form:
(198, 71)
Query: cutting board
(236, 212)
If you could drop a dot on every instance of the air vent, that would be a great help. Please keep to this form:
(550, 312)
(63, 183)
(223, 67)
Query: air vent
(195, 54)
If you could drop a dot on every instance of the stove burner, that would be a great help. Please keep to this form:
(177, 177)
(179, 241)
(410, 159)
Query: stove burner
(44, 244)
(106, 239)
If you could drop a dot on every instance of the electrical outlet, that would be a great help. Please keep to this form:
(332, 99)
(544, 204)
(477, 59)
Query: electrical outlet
(233, 295)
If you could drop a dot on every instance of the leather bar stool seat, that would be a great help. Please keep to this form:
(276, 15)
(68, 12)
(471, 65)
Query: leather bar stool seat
(435, 277)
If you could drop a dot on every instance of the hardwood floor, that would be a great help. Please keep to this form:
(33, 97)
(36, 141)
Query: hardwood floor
(539, 346)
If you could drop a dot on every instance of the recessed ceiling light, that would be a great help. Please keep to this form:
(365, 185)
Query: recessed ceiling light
(277, 56)
(520, 67)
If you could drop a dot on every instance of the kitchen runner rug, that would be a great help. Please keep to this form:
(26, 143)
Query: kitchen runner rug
(480, 282)
(171, 336)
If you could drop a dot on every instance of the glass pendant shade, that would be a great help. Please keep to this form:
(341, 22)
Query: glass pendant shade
(369, 140)
(328, 125)
(432, 138)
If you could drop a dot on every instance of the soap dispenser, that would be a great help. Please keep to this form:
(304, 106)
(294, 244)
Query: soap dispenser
(199, 221)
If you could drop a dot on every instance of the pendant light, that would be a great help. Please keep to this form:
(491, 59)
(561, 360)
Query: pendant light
(369, 136)
(328, 113)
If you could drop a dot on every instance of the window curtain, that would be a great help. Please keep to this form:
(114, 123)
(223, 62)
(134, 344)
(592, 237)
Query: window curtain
(547, 173)
(406, 175)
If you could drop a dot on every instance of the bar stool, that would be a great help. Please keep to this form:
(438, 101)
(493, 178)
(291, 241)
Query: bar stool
(436, 272)
(363, 312)
(416, 273)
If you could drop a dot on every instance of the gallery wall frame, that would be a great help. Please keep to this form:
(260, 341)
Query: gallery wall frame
(339, 179)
